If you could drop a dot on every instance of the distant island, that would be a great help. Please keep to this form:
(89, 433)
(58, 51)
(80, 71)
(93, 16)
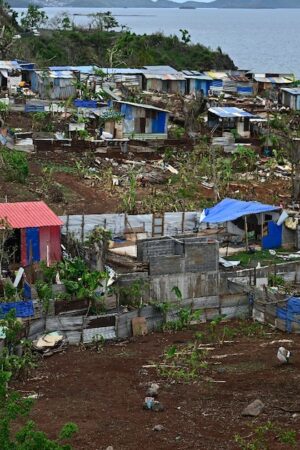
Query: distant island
(190, 4)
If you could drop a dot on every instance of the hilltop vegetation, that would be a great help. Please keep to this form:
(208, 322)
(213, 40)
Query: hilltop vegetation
(109, 48)
(60, 42)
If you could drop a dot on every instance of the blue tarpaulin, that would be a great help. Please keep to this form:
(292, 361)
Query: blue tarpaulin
(230, 209)
(23, 309)
(290, 313)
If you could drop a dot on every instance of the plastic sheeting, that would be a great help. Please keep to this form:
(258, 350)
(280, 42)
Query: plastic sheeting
(230, 209)
(174, 223)
(290, 313)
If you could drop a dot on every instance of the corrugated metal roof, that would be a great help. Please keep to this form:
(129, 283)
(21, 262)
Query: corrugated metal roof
(29, 215)
(161, 69)
(65, 74)
(216, 75)
(138, 105)
(273, 80)
(165, 76)
(121, 71)
(293, 91)
(229, 112)
(9, 65)
(194, 74)
(82, 69)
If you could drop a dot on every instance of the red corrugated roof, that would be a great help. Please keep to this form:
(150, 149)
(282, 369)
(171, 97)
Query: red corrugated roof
(29, 215)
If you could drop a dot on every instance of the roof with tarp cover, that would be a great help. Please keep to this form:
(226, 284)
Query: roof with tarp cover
(230, 209)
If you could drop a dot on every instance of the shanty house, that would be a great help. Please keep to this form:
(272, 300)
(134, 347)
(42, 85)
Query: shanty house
(83, 71)
(10, 75)
(54, 85)
(197, 82)
(268, 81)
(243, 218)
(36, 231)
(125, 76)
(290, 97)
(138, 121)
(216, 85)
(229, 118)
(238, 84)
(163, 79)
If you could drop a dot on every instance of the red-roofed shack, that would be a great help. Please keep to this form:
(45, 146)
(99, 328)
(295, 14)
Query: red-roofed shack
(37, 231)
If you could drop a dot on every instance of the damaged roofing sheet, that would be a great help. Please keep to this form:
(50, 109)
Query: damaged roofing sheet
(138, 105)
(165, 76)
(229, 112)
(82, 69)
(9, 65)
(292, 91)
(273, 80)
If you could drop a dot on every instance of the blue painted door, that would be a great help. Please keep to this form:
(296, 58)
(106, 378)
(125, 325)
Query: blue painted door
(32, 245)
(273, 238)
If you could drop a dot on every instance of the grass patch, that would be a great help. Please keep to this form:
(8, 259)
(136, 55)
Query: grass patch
(252, 259)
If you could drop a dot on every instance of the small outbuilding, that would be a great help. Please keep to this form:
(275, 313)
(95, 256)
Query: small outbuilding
(36, 232)
(291, 98)
(243, 217)
(163, 79)
(10, 76)
(230, 118)
(138, 121)
(54, 84)
(272, 81)
(197, 82)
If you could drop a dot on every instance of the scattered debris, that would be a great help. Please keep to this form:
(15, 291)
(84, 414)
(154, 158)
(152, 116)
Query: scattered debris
(153, 390)
(158, 427)
(254, 409)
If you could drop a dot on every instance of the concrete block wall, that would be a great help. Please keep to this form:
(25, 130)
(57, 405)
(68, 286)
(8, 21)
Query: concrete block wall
(185, 254)
(154, 248)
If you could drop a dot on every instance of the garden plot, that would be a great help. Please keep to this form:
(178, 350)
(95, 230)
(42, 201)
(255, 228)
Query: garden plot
(103, 390)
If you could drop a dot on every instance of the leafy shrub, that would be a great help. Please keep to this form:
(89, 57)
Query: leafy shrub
(13, 407)
(14, 165)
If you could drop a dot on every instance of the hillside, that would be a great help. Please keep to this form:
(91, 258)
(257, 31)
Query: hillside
(77, 47)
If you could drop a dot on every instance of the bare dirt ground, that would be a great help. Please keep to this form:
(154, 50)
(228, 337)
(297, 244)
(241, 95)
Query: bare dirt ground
(104, 392)
(83, 196)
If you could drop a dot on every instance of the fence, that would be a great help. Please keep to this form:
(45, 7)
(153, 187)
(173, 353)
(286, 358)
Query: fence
(171, 223)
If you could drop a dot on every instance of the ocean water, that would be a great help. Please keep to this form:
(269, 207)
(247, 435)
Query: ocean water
(257, 40)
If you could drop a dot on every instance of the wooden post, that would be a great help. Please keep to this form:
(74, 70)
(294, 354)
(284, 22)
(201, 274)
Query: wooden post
(67, 229)
(262, 218)
(82, 229)
(246, 233)
(182, 222)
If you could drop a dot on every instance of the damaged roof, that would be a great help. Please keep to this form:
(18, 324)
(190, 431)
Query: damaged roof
(82, 69)
(29, 215)
(121, 71)
(9, 65)
(138, 105)
(229, 112)
(165, 76)
(293, 91)
(273, 80)
(196, 75)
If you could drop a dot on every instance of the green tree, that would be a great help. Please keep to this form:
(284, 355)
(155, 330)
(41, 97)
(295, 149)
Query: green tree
(185, 36)
(33, 18)
(104, 21)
